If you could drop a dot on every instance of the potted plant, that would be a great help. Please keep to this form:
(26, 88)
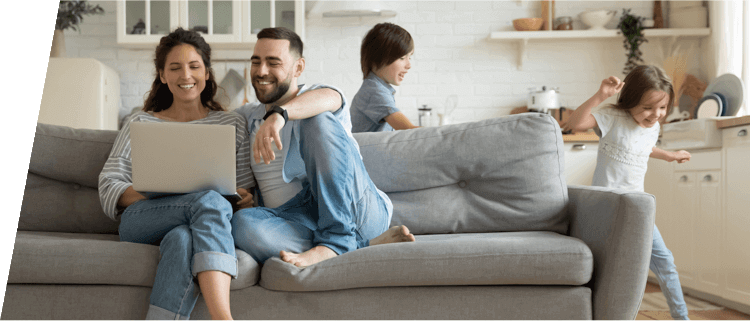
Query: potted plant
(631, 27)
(69, 15)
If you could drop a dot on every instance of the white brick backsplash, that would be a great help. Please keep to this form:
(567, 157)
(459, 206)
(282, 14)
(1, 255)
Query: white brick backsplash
(416, 17)
(453, 54)
(436, 5)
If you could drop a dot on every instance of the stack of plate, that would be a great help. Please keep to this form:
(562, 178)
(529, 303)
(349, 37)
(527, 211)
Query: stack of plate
(722, 97)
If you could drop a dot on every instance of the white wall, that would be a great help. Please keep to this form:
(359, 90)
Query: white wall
(453, 54)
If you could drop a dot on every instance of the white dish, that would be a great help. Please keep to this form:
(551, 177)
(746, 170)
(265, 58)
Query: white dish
(596, 20)
(731, 87)
(709, 106)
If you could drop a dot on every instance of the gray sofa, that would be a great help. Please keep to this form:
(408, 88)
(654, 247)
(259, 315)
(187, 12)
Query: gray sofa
(499, 233)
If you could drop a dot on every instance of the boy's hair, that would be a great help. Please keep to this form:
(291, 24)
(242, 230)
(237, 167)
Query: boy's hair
(160, 97)
(641, 80)
(382, 45)
(281, 33)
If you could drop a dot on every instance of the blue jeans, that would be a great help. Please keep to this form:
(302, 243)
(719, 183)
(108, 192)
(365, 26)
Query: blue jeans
(662, 264)
(338, 206)
(193, 232)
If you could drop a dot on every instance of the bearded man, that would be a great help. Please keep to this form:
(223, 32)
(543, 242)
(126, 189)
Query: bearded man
(316, 200)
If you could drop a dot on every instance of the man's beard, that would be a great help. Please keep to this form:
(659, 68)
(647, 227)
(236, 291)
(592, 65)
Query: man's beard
(274, 95)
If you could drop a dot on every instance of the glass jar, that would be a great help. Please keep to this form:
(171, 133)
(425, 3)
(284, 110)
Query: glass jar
(564, 23)
(425, 116)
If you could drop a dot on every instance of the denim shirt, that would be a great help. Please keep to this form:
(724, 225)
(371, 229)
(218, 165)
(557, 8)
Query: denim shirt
(294, 166)
(373, 102)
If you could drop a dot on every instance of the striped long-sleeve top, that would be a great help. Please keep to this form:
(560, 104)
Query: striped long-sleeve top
(116, 176)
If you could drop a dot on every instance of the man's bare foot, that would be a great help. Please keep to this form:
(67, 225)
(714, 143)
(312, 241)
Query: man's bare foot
(309, 257)
(393, 235)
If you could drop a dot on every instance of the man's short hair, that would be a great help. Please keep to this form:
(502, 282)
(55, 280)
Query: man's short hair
(295, 43)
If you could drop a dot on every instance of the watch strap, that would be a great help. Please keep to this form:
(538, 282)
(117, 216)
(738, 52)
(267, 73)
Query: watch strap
(277, 109)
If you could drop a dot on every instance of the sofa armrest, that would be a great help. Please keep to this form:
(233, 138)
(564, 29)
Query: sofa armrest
(617, 225)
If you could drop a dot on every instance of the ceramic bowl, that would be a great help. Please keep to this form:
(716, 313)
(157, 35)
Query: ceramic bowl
(596, 20)
(528, 24)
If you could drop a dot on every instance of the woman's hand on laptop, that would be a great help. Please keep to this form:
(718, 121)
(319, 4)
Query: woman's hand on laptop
(247, 199)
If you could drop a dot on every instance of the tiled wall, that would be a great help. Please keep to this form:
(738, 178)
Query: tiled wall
(453, 54)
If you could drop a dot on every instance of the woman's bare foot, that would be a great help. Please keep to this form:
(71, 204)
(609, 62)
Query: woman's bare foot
(393, 235)
(309, 257)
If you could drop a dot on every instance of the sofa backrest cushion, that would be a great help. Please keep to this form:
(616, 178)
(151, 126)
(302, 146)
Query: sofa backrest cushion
(496, 175)
(61, 187)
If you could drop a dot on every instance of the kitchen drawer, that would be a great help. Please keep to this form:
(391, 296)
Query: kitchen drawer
(701, 160)
(737, 136)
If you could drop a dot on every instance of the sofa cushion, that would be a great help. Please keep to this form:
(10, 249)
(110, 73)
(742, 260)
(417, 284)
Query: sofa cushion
(61, 187)
(518, 258)
(75, 258)
(496, 175)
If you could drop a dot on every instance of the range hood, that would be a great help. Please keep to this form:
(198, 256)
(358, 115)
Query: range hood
(359, 13)
(348, 8)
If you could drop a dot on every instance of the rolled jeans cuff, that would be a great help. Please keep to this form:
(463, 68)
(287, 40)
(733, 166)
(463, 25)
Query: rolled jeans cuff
(215, 261)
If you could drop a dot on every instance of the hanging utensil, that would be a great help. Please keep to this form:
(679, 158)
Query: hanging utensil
(245, 101)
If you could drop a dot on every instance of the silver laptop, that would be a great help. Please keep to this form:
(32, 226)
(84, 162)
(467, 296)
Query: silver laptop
(179, 158)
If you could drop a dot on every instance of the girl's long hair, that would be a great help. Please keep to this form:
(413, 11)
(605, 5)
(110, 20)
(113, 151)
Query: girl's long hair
(641, 80)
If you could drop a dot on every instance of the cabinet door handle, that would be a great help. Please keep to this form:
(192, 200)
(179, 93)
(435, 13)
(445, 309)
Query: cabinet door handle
(742, 133)
(707, 178)
(683, 178)
(579, 146)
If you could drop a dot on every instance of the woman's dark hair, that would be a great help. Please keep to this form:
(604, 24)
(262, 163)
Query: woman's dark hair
(159, 97)
(641, 80)
(295, 43)
(382, 45)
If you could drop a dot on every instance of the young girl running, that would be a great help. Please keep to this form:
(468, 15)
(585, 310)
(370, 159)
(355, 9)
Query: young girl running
(385, 57)
(629, 130)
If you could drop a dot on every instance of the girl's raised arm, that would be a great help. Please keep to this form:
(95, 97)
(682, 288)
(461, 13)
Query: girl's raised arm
(582, 119)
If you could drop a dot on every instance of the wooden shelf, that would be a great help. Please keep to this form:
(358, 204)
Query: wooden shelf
(523, 37)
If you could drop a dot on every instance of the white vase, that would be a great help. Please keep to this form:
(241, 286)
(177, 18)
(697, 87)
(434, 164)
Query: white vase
(58, 44)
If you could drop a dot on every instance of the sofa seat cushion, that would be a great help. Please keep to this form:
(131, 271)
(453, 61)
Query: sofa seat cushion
(509, 258)
(75, 258)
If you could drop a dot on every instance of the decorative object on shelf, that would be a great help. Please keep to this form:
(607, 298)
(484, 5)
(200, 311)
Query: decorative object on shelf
(69, 15)
(687, 14)
(564, 23)
(597, 19)
(139, 28)
(548, 14)
(675, 67)
(631, 28)
(658, 16)
(528, 24)
(693, 88)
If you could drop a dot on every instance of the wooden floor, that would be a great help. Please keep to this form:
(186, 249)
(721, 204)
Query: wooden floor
(725, 314)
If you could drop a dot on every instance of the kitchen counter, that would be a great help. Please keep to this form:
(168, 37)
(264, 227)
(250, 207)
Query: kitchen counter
(588, 136)
(732, 122)
(581, 137)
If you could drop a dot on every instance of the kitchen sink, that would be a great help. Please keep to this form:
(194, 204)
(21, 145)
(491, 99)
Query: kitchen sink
(690, 134)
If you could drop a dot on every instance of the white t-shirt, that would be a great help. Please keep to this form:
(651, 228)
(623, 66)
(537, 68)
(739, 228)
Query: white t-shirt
(624, 149)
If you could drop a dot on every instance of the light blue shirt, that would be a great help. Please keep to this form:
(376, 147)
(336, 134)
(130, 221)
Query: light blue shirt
(373, 102)
(294, 166)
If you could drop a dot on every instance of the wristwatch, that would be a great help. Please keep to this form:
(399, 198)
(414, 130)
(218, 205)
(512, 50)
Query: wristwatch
(277, 109)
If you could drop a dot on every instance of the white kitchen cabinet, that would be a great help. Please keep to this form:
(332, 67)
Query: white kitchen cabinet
(225, 24)
(703, 213)
(580, 162)
(736, 224)
(694, 225)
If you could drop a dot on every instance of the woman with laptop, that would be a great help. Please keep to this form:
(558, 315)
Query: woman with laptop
(193, 230)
